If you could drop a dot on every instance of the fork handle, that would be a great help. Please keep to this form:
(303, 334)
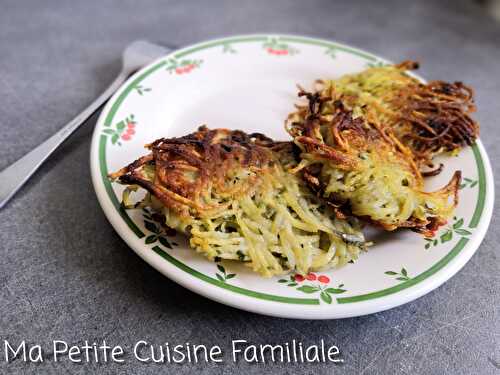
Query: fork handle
(15, 176)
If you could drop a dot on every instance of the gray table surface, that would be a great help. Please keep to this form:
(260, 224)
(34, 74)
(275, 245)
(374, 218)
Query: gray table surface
(65, 274)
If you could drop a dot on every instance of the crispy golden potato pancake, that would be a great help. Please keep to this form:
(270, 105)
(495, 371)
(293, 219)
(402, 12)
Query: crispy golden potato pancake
(429, 118)
(232, 194)
(362, 168)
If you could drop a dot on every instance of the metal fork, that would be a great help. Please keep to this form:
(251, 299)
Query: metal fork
(12, 178)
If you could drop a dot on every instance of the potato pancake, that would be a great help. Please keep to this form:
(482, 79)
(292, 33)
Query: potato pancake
(232, 194)
(361, 167)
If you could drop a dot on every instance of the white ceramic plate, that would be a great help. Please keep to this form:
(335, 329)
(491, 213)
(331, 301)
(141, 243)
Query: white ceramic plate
(249, 83)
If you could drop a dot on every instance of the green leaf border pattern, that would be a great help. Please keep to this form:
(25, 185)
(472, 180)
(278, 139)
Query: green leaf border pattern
(222, 275)
(447, 233)
(228, 48)
(468, 183)
(332, 52)
(141, 90)
(376, 64)
(400, 276)
(158, 233)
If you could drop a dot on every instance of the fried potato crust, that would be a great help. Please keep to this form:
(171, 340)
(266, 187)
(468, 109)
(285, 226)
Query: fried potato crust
(361, 167)
(430, 118)
(189, 168)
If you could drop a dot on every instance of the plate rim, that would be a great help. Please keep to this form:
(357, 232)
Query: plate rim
(239, 297)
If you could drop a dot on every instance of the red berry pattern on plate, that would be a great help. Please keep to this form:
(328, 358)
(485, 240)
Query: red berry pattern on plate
(324, 279)
(276, 47)
(311, 276)
(182, 66)
(122, 131)
(320, 285)
(296, 278)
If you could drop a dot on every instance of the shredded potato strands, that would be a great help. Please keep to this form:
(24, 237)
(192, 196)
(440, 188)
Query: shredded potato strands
(362, 168)
(429, 118)
(232, 195)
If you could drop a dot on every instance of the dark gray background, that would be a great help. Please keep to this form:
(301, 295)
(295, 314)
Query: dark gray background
(65, 274)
